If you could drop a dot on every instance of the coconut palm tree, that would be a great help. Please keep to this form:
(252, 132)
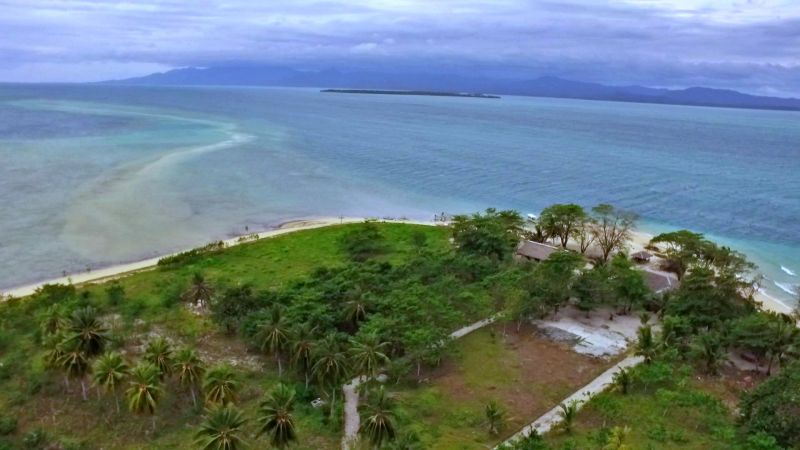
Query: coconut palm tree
(190, 369)
(87, 331)
(376, 420)
(616, 440)
(221, 385)
(75, 363)
(273, 334)
(495, 417)
(222, 429)
(710, 349)
(646, 345)
(330, 366)
(367, 353)
(54, 321)
(159, 354)
(355, 309)
(54, 348)
(109, 371)
(568, 413)
(784, 338)
(275, 416)
(199, 291)
(407, 441)
(623, 380)
(303, 343)
(144, 390)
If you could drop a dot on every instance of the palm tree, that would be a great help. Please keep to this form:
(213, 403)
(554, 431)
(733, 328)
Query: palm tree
(495, 417)
(275, 416)
(568, 413)
(75, 363)
(407, 441)
(190, 369)
(54, 349)
(221, 385)
(159, 354)
(355, 309)
(302, 338)
(376, 421)
(54, 321)
(646, 345)
(109, 371)
(330, 366)
(368, 354)
(623, 380)
(616, 441)
(144, 390)
(199, 292)
(711, 350)
(222, 429)
(272, 335)
(784, 336)
(87, 331)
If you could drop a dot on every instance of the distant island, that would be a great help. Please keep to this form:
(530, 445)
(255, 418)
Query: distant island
(428, 93)
(427, 83)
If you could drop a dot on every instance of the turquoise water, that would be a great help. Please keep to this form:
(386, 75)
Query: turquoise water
(96, 175)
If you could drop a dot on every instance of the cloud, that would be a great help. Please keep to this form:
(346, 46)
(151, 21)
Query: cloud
(750, 45)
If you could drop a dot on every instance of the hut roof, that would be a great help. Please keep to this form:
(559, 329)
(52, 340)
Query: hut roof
(535, 250)
(659, 281)
(644, 255)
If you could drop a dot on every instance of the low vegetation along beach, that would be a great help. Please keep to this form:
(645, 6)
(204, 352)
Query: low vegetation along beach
(457, 334)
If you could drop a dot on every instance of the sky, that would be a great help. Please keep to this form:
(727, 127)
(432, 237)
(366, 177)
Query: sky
(752, 46)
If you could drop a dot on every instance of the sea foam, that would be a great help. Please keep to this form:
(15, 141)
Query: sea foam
(786, 287)
(788, 271)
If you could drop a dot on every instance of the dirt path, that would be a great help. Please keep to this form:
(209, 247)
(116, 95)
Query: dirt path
(552, 418)
(352, 421)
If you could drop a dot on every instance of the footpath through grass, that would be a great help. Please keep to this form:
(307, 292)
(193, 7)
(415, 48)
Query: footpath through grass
(524, 374)
(667, 407)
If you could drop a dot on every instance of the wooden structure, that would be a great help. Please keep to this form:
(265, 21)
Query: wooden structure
(535, 251)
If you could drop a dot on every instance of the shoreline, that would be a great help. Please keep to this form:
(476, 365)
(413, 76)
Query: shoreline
(118, 270)
(639, 239)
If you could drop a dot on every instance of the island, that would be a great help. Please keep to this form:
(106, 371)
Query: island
(428, 93)
(483, 330)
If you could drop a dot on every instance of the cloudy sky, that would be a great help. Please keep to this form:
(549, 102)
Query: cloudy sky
(751, 45)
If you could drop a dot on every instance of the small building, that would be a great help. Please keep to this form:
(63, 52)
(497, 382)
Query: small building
(535, 251)
(659, 282)
(642, 256)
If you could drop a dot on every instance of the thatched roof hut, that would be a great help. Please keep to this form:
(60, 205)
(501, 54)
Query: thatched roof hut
(535, 251)
(659, 282)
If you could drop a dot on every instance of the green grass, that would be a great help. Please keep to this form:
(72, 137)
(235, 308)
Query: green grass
(671, 415)
(448, 412)
(151, 306)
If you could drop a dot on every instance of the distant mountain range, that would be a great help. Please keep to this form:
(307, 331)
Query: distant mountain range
(539, 87)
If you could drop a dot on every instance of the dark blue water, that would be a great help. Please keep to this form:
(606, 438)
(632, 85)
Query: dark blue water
(98, 174)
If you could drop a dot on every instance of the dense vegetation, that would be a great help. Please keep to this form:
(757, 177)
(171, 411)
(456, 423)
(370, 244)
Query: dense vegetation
(237, 342)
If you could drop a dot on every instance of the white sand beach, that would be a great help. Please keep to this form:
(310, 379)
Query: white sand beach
(116, 271)
(639, 241)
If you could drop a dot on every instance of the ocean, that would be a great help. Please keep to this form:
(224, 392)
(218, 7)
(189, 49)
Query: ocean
(93, 175)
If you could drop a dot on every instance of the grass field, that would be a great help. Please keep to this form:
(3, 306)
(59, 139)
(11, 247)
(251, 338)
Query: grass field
(674, 410)
(36, 398)
(525, 374)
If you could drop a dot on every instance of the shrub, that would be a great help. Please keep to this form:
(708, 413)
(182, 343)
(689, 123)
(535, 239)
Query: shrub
(774, 407)
(192, 255)
(363, 243)
(8, 425)
(35, 440)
